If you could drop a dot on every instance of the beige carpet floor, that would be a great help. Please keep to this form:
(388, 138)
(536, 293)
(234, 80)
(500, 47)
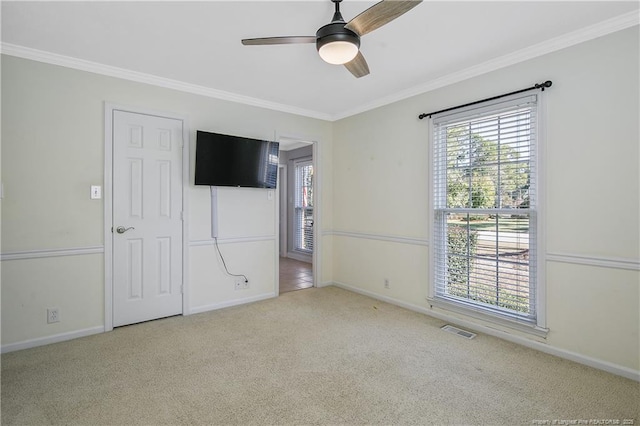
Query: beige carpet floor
(317, 356)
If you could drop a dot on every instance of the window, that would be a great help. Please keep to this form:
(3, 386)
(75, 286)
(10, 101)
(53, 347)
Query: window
(485, 209)
(303, 207)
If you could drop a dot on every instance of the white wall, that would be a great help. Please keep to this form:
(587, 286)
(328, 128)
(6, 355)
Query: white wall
(53, 150)
(380, 204)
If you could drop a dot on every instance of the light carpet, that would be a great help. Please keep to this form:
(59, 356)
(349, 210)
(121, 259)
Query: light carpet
(317, 356)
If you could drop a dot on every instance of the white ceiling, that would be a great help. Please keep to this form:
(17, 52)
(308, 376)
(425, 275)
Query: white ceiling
(196, 45)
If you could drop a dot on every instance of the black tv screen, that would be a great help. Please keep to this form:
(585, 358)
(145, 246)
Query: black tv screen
(225, 160)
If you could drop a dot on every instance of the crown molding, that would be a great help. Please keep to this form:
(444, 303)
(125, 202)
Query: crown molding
(600, 29)
(582, 35)
(140, 77)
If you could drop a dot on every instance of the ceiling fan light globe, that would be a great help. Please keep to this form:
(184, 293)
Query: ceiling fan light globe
(338, 52)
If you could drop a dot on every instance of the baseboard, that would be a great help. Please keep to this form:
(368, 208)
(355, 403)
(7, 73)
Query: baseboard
(234, 302)
(56, 338)
(542, 347)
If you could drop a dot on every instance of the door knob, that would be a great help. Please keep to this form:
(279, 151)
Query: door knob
(122, 229)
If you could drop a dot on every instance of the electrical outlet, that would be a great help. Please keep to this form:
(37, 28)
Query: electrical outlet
(241, 283)
(386, 283)
(53, 315)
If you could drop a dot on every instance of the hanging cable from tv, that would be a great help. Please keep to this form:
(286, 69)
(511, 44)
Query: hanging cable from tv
(246, 280)
(214, 231)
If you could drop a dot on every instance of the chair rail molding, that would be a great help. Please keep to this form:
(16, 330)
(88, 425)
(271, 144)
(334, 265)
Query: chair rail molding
(599, 261)
(378, 237)
(57, 252)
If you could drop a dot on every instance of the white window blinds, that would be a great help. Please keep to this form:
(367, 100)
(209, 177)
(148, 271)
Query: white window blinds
(485, 199)
(303, 207)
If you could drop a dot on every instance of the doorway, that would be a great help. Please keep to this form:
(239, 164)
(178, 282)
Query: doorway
(296, 219)
(295, 275)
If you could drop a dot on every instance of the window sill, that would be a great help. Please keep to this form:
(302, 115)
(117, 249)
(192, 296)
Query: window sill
(518, 324)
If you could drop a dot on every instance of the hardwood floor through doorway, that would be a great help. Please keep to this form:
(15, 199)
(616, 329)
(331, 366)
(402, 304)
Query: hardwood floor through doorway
(295, 275)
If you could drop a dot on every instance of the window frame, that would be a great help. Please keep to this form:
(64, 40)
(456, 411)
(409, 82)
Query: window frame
(297, 232)
(537, 325)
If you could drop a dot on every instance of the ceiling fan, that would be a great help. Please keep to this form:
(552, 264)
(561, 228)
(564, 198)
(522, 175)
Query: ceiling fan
(338, 42)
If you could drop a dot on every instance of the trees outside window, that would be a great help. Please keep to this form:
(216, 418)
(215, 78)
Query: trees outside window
(303, 208)
(485, 208)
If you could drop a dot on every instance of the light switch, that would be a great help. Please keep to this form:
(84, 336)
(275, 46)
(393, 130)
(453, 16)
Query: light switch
(96, 192)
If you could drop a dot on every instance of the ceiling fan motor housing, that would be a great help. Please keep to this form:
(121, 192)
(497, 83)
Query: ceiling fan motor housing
(336, 31)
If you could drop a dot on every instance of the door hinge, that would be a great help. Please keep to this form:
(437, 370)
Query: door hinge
(182, 216)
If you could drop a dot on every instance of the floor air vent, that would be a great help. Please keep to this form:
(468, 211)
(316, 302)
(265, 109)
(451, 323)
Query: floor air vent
(455, 330)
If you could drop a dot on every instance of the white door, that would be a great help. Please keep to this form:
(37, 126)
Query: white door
(147, 222)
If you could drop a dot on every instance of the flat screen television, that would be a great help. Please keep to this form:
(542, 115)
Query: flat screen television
(225, 160)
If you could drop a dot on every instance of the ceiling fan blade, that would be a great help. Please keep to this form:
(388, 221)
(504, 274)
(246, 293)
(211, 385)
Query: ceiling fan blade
(380, 14)
(358, 66)
(278, 40)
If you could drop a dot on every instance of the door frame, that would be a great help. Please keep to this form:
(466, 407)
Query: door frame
(316, 257)
(282, 213)
(109, 109)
